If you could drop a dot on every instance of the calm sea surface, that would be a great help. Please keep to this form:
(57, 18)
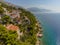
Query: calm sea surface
(51, 27)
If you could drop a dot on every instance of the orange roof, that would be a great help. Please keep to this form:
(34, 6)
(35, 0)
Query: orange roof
(12, 27)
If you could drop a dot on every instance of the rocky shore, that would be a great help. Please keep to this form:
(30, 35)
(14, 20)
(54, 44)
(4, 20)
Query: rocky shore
(39, 35)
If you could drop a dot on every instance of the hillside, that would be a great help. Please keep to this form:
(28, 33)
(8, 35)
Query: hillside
(18, 26)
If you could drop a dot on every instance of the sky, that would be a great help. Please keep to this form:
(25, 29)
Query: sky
(53, 5)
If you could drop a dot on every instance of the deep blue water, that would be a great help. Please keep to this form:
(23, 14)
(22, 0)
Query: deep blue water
(51, 27)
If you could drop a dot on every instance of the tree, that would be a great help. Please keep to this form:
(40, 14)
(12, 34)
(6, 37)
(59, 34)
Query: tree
(7, 37)
(1, 10)
(6, 19)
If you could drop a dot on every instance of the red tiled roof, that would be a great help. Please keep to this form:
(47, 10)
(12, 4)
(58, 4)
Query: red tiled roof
(12, 27)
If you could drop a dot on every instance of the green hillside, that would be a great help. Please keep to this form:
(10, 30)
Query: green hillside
(18, 26)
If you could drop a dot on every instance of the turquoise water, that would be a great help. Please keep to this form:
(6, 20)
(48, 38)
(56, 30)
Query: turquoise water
(48, 24)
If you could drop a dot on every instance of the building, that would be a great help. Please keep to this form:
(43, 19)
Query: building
(39, 35)
(14, 14)
(14, 28)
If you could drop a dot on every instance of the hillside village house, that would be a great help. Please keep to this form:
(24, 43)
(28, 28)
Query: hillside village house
(12, 14)
(27, 20)
(14, 28)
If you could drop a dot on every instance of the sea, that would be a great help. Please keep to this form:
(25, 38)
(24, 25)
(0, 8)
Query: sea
(51, 28)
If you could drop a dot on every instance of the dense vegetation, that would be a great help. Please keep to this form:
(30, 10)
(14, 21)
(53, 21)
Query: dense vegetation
(27, 27)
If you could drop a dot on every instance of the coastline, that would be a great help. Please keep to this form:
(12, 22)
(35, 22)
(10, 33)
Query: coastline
(39, 34)
(48, 31)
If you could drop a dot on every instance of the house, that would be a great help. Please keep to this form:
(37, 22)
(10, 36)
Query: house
(27, 20)
(39, 34)
(18, 21)
(14, 14)
(14, 28)
(6, 12)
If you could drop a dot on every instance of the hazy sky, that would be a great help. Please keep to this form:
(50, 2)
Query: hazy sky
(53, 5)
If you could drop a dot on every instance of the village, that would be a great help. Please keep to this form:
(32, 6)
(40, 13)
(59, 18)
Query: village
(13, 19)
